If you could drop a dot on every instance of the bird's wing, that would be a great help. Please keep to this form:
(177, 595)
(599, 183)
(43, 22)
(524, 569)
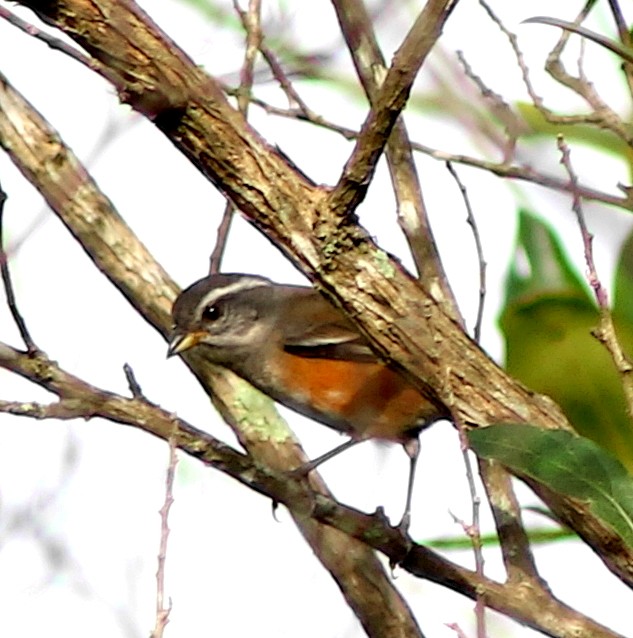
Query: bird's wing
(317, 329)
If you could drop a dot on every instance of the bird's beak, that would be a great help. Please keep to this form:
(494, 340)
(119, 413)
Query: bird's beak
(181, 342)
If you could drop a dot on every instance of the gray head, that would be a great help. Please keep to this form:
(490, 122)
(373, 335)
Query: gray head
(223, 312)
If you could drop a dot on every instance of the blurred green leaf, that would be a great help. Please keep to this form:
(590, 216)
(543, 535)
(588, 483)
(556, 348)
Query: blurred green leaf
(537, 536)
(547, 322)
(600, 139)
(623, 294)
(541, 265)
(566, 463)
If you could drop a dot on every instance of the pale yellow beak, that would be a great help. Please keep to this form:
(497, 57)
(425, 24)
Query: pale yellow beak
(179, 342)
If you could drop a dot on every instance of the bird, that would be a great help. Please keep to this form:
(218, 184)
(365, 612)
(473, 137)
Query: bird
(295, 346)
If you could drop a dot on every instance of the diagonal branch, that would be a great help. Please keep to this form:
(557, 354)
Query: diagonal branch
(79, 399)
(389, 101)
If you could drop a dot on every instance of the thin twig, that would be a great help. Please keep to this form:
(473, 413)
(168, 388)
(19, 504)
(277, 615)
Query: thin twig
(625, 38)
(472, 222)
(162, 611)
(132, 383)
(601, 115)
(8, 284)
(513, 125)
(251, 22)
(51, 41)
(221, 238)
(587, 238)
(606, 332)
(459, 632)
(511, 171)
(474, 529)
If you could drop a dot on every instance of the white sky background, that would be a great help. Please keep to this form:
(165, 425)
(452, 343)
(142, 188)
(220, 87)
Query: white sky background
(79, 501)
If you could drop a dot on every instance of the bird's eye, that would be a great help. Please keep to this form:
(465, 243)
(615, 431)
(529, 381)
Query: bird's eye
(211, 313)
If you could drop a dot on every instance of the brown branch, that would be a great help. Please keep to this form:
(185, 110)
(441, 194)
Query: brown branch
(625, 38)
(472, 222)
(601, 115)
(357, 28)
(518, 599)
(387, 105)
(132, 383)
(56, 44)
(513, 124)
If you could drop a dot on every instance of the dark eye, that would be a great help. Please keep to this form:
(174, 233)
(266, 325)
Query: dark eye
(211, 313)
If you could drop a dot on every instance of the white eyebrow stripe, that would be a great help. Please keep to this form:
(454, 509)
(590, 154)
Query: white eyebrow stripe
(246, 283)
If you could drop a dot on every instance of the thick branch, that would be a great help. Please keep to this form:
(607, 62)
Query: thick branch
(79, 399)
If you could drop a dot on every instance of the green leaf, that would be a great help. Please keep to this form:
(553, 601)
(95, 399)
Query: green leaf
(566, 463)
(623, 295)
(599, 139)
(547, 322)
(537, 536)
(540, 264)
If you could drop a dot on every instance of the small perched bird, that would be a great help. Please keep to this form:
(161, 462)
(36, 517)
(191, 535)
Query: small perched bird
(296, 347)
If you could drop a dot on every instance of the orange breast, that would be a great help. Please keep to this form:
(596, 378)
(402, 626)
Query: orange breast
(366, 398)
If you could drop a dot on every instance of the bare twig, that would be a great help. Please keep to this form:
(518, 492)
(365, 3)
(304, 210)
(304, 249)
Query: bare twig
(132, 382)
(54, 43)
(252, 25)
(389, 102)
(602, 114)
(612, 46)
(606, 332)
(473, 531)
(511, 171)
(625, 38)
(472, 222)
(512, 124)
(587, 238)
(459, 632)
(162, 611)
(221, 238)
(8, 284)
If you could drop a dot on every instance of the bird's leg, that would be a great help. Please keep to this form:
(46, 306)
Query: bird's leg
(412, 448)
(306, 468)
